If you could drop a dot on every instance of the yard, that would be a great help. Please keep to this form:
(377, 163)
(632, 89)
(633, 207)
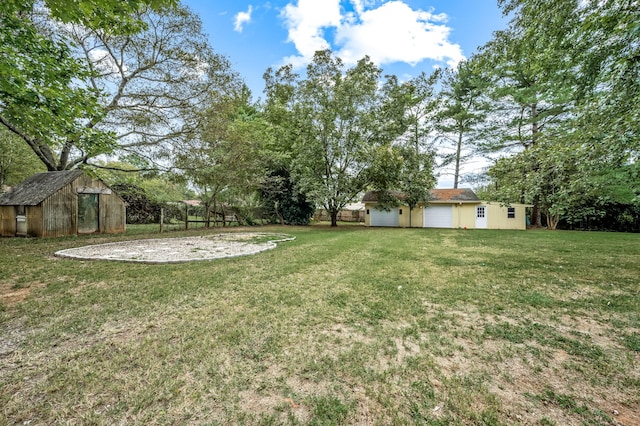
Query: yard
(351, 325)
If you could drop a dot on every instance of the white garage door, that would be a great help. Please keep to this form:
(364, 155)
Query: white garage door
(438, 217)
(384, 218)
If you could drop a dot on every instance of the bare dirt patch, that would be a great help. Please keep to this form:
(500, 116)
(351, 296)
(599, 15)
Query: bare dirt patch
(177, 250)
(10, 293)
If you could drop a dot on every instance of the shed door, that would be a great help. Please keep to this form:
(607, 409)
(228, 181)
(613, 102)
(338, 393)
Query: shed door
(88, 213)
(385, 218)
(481, 217)
(438, 217)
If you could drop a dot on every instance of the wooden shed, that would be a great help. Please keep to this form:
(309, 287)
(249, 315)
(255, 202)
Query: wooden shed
(54, 204)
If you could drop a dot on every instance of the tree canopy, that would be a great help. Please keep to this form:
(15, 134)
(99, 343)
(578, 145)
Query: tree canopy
(336, 121)
(74, 85)
(565, 79)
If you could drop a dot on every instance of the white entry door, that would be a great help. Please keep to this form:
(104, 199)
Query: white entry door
(438, 217)
(481, 217)
(385, 218)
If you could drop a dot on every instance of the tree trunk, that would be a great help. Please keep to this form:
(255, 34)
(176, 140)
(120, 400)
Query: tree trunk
(552, 220)
(458, 154)
(536, 213)
(207, 214)
(334, 217)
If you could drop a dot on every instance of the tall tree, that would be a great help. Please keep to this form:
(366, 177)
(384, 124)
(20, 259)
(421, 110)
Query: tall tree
(336, 118)
(463, 108)
(416, 176)
(224, 157)
(41, 100)
(550, 174)
(283, 200)
(529, 66)
(412, 174)
(151, 84)
(583, 62)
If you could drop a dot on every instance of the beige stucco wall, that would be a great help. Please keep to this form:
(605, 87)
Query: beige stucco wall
(367, 216)
(411, 218)
(497, 216)
(464, 215)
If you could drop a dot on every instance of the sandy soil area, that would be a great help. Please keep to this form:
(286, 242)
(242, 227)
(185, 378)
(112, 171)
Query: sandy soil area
(175, 250)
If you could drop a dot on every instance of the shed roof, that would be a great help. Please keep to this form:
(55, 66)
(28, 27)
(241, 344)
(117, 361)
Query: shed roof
(459, 195)
(38, 187)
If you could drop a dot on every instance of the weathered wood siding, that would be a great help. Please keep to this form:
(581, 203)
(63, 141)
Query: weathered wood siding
(7, 221)
(113, 215)
(57, 215)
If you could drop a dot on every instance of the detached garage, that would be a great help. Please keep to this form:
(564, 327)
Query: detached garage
(450, 208)
(54, 204)
(447, 208)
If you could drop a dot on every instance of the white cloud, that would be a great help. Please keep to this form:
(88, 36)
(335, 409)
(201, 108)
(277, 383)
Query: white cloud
(391, 32)
(242, 18)
(104, 62)
(306, 22)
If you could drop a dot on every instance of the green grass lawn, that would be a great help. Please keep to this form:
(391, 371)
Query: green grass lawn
(341, 326)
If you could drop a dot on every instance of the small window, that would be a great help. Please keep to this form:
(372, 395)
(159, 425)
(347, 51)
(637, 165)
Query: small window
(399, 211)
(511, 213)
(367, 211)
(480, 212)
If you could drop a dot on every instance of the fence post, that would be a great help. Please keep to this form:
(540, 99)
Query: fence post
(161, 218)
(186, 216)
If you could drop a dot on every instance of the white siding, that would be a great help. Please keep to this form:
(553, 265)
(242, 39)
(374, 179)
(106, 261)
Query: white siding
(438, 217)
(385, 218)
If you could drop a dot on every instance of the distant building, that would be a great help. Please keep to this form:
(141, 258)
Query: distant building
(447, 208)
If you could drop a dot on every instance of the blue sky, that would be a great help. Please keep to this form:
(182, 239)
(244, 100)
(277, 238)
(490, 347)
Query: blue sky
(404, 37)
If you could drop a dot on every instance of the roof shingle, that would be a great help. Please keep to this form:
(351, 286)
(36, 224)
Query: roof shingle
(38, 187)
(436, 195)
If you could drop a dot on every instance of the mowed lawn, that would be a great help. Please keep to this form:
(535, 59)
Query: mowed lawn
(341, 326)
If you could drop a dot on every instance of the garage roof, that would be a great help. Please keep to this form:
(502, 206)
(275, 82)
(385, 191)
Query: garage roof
(460, 195)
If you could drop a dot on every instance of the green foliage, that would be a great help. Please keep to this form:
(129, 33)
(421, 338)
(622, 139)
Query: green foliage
(140, 209)
(416, 176)
(161, 187)
(17, 161)
(40, 99)
(116, 16)
(155, 83)
(282, 202)
(565, 92)
(336, 126)
(75, 84)
(464, 106)
(224, 160)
